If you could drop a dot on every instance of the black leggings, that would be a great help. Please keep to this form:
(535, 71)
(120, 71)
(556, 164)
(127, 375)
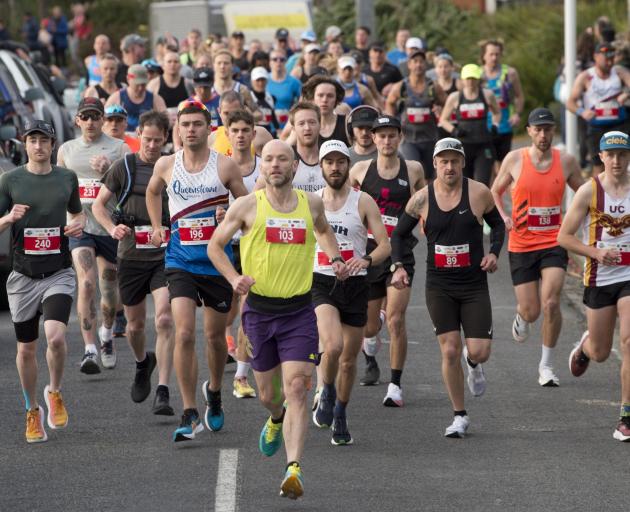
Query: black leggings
(479, 162)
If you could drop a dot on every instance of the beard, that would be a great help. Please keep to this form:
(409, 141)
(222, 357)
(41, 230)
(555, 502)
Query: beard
(336, 183)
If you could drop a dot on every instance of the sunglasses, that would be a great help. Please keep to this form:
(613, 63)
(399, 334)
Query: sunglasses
(94, 116)
(278, 59)
(191, 103)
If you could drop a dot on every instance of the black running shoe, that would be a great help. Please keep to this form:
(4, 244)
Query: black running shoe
(161, 405)
(372, 375)
(141, 387)
(89, 364)
(341, 435)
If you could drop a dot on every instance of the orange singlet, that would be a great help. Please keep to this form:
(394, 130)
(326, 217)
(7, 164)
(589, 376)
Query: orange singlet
(536, 205)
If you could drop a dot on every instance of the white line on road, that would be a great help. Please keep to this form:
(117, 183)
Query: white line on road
(225, 494)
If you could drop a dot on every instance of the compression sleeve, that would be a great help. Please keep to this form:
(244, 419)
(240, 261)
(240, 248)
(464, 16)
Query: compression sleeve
(497, 230)
(403, 230)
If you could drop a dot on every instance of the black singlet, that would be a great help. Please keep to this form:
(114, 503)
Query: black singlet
(173, 96)
(339, 133)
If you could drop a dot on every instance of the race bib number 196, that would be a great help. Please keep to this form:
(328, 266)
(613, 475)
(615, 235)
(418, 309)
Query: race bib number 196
(42, 241)
(196, 231)
(286, 231)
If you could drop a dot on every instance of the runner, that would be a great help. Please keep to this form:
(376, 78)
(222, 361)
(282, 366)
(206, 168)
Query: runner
(359, 128)
(222, 63)
(327, 94)
(279, 224)
(537, 177)
(132, 49)
(265, 102)
(241, 132)
(355, 93)
(504, 82)
(94, 252)
(391, 181)
(415, 100)
(471, 106)
(93, 62)
(135, 98)
(454, 209)
(341, 309)
(171, 86)
(197, 181)
(140, 265)
(384, 73)
(601, 207)
(285, 89)
(107, 84)
(398, 54)
(308, 65)
(37, 196)
(115, 126)
(194, 48)
(600, 92)
(304, 117)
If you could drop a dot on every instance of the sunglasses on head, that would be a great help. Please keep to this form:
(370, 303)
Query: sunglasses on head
(191, 103)
(94, 116)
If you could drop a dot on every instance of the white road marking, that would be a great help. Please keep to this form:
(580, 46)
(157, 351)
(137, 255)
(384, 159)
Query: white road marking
(225, 493)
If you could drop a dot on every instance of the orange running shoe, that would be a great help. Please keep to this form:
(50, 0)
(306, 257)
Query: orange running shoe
(35, 432)
(231, 347)
(57, 417)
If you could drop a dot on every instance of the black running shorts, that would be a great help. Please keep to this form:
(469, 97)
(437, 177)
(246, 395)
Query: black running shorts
(210, 291)
(349, 297)
(526, 267)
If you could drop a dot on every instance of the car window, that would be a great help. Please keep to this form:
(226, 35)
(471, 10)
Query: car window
(23, 71)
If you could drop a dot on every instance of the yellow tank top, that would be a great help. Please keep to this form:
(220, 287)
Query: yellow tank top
(222, 143)
(278, 251)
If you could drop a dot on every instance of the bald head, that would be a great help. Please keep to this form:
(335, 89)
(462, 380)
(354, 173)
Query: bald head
(101, 44)
(278, 164)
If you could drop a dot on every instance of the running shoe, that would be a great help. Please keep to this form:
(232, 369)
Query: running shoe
(578, 360)
(323, 415)
(520, 329)
(214, 416)
(371, 346)
(161, 402)
(458, 428)
(318, 393)
(476, 379)
(35, 432)
(622, 432)
(89, 364)
(372, 375)
(189, 427)
(341, 434)
(108, 355)
(57, 417)
(293, 483)
(270, 438)
(546, 377)
(141, 387)
(120, 325)
(242, 389)
(393, 398)
(231, 348)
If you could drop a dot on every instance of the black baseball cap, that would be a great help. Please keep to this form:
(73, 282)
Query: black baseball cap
(39, 126)
(282, 33)
(203, 76)
(386, 122)
(540, 116)
(238, 34)
(363, 117)
(377, 45)
(90, 103)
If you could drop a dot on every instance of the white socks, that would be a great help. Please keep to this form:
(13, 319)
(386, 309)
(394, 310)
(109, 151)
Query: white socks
(104, 333)
(91, 348)
(242, 369)
(546, 357)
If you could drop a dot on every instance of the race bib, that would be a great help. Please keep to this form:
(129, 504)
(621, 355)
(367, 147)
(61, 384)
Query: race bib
(143, 237)
(418, 115)
(624, 250)
(42, 241)
(282, 116)
(452, 256)
(543, 219)
(267, 115)
(88, 190)
(390, 224)
(472, 110)
(286, 231)
(345, 249)
(196, 231)
(607, 111)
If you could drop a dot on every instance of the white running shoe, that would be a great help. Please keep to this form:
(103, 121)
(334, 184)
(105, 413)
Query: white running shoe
(458, 428)
(476, 379)
(546, 377)
(393, 398)
(520, 329)
(371, 346)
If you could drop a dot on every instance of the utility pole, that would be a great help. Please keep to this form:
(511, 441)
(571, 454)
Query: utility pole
(365, 14)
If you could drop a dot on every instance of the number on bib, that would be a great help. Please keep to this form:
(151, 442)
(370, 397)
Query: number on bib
(543, 219)
(390, 224)
(196, 231)
(42, 241)
(624, 252)
(452, 256)
(285, 231)
(143, 237)
(88, 190)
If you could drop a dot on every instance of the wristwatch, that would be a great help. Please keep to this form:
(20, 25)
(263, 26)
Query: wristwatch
(395, 266)
(337, 258)
(368, 258)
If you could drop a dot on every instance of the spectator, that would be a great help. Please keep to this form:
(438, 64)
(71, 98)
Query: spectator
(44, 41)
(398, 54)
(80, 31)
(4, 33)
(59, 31)
(30, 31)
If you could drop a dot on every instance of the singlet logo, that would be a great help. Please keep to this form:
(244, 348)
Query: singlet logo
(339, 229)
(187, 192)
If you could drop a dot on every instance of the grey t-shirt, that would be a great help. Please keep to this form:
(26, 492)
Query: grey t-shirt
(354, 157)
(76, 156)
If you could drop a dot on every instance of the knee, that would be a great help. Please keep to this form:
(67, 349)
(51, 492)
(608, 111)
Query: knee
(135, 330)
(551, 306)
(27, 351)
(396, 322)
(347, 365)
(332, 347)
(452, 353)
(87, 287)
(624, 346)
(296, 388)
(529, 312)
(479, 354)
(164, 322)
(185, 336)
(56, 341)
(600, 354)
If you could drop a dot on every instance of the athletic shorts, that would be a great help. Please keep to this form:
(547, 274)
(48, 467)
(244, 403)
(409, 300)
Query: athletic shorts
(137, 279)
(453, 309)
(236, 251)
(526, 267)
(502, 143)
(27, 297)
(275, 338)
(104, 246)
(379, 277)
(349, 297)
(597, 297)
(208, 291)
(594, 133)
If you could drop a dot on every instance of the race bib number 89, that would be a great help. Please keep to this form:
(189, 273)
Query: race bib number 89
(452, 256)
(285, 231)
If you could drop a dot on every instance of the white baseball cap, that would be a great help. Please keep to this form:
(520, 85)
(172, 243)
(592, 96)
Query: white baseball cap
(258, 73)
(448, 144)
(333, 146)
(347, 61)
(414, 42)
(313, 47)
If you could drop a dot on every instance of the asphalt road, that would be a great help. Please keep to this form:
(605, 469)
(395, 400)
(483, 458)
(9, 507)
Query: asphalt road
(529, 448)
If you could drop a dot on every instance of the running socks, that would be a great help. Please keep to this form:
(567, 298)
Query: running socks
(625, 410)
(459, 413)
(545, 359)
(242, 369)
(91, 348)
(144, 363)
(105, 333)
(396, 375)
(280, 419)
(470, 363)
(370, 360)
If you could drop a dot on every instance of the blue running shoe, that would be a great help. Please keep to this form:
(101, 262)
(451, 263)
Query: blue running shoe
(190, 425)
(293, 483)
(270, 438)
(214, 416)
(323, 415)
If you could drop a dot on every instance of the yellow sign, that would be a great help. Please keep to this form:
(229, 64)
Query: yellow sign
(260, 20)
